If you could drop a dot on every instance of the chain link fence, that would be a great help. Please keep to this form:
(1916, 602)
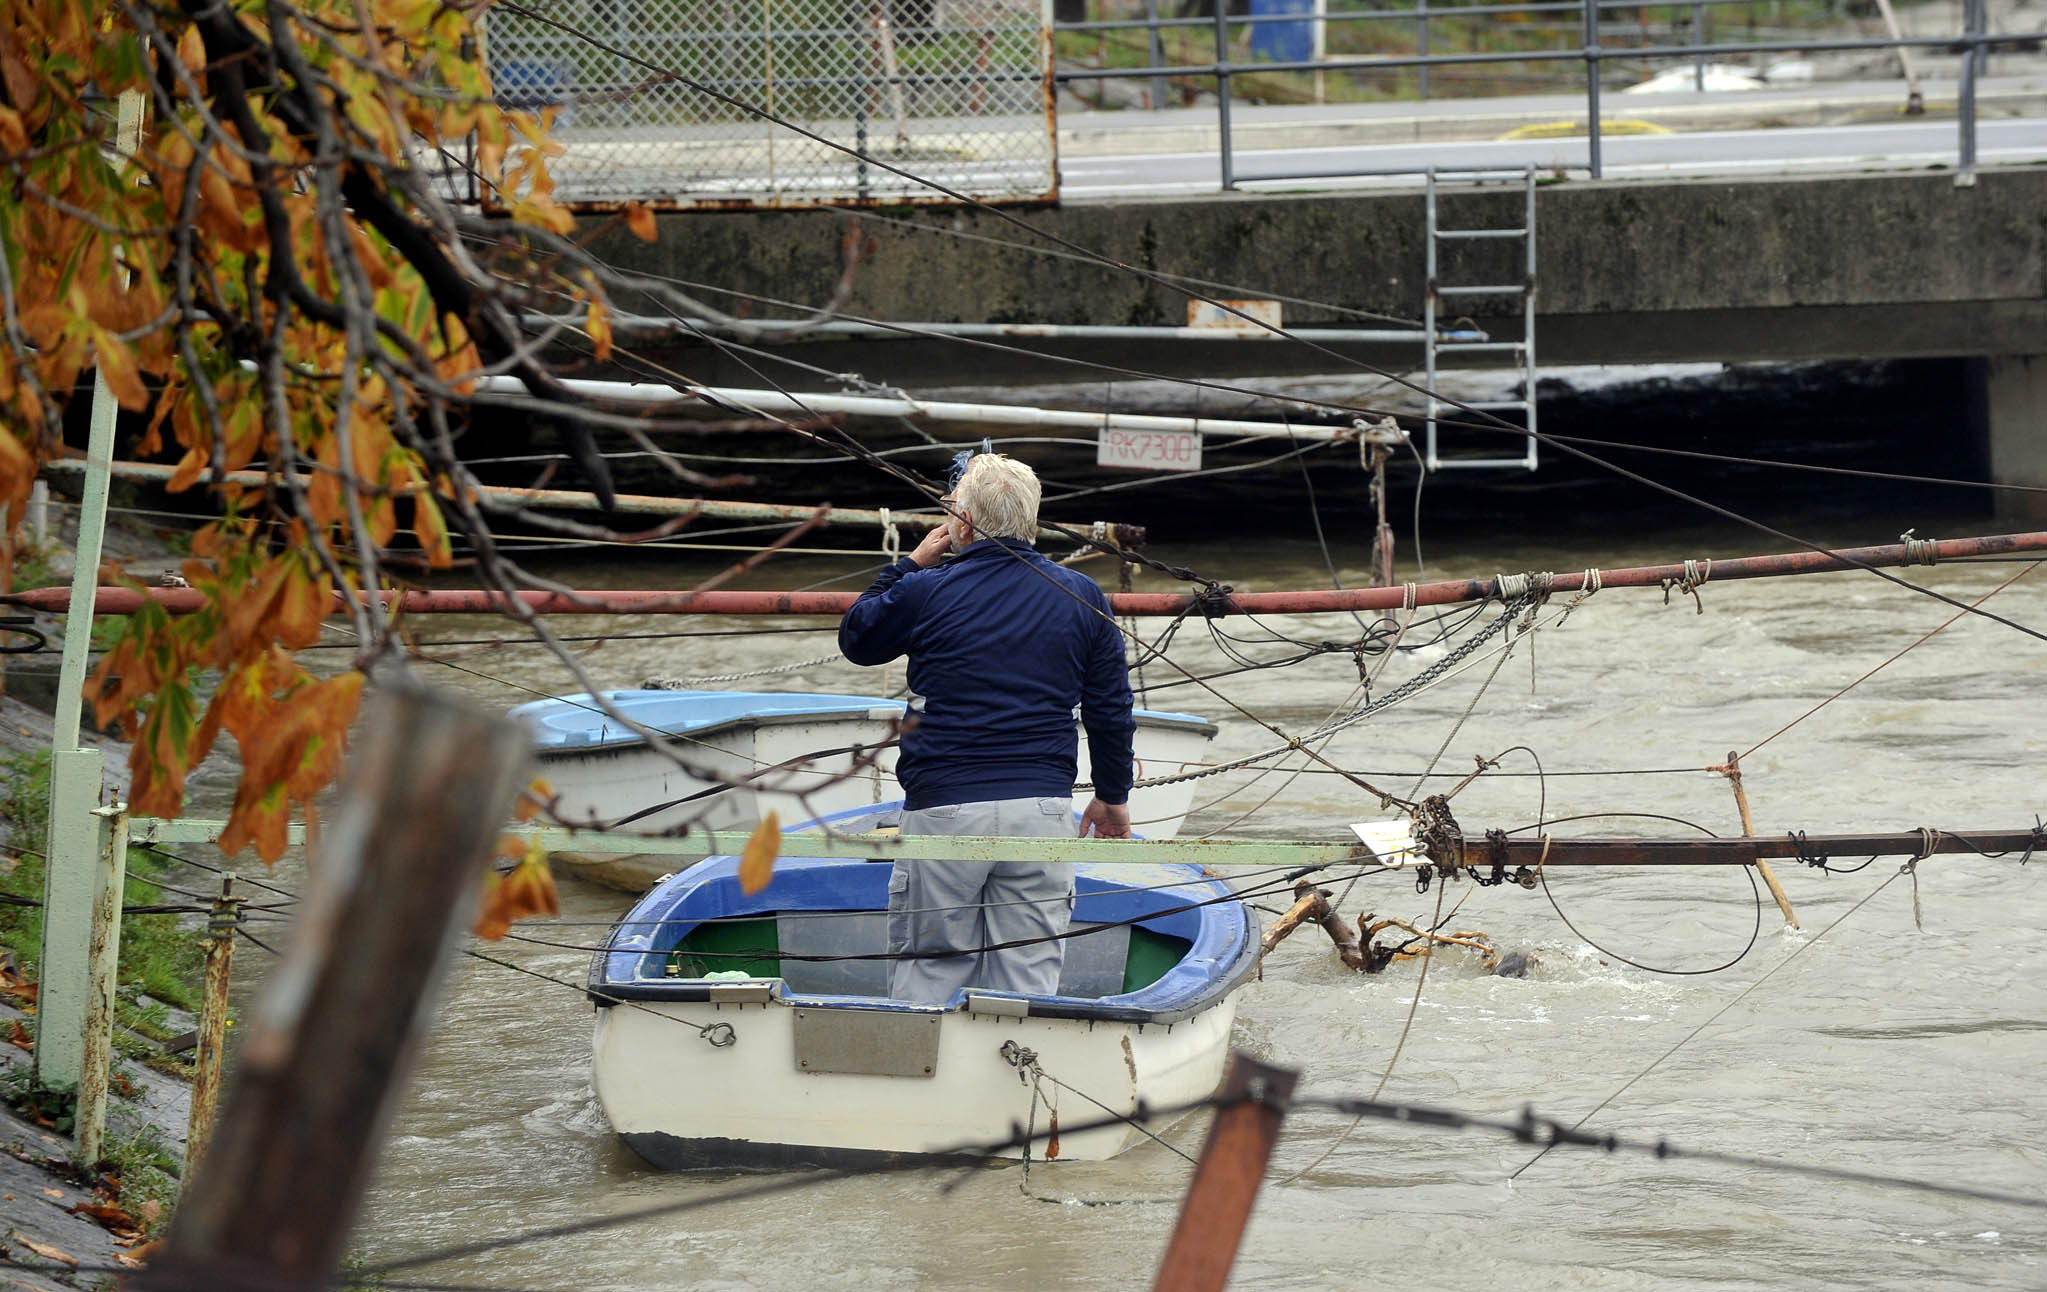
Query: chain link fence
(957, 91)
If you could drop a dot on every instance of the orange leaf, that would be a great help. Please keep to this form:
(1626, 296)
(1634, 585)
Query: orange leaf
(383, 521)
(190, 468)
(532, 800)
(757, 862)
(303, 602)
(17, 470)
(526, 890)
(492, 920)
(640, 219)
(192, 48)
(431, 529)
(46, 1251)
(117, 364)
(598, 325)
(529, 889)
(13, 137)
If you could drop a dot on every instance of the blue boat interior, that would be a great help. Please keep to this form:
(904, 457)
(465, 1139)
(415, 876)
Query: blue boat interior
(576, 721)
(1154, 942)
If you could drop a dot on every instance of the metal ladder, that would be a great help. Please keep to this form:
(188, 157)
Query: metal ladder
(1436, 343)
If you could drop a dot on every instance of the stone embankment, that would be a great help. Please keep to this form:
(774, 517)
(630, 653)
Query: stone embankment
(60, 1227)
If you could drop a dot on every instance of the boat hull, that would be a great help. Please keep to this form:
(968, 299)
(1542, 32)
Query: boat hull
(738, 1026)
(753, 1102)
(814, 764)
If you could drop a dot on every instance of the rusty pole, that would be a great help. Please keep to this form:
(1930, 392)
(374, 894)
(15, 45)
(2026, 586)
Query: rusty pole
(183, 601)
(1254, 1099)
(102, 958)
(1382, 536)
(1748, 828)
(220, 959)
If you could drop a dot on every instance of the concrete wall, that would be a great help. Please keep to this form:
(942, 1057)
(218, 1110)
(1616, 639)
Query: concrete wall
(2012, 407)
(1794, 268)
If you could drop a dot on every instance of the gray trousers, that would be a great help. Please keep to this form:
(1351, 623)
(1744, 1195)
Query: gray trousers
(943, 906)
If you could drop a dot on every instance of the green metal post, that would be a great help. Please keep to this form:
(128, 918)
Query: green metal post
(69, 873)
(103, 961)
(73, 838)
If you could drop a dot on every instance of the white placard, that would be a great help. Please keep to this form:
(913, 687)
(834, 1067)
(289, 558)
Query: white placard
(1147, 450)
(1392, 841)
(1218, 316)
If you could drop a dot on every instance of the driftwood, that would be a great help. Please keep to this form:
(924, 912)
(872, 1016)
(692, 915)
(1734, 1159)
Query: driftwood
(1312, 904)
(1429, 939)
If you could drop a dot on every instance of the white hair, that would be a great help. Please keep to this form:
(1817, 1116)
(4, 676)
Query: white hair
(1001, 495)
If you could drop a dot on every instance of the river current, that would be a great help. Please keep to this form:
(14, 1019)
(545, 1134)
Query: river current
(1896, 1034)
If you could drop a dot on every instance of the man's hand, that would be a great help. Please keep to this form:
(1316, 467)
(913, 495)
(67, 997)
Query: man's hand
(1105, 820)
(934, 545)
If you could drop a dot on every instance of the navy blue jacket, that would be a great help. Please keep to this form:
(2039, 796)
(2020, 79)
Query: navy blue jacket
(1003, 644)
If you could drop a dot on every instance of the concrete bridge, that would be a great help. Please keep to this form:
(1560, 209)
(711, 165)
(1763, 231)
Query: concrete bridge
(1835, 267)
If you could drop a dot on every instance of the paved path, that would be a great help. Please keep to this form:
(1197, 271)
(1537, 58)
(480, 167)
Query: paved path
(1898, 146)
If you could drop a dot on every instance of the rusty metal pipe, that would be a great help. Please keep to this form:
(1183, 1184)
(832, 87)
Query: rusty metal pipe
(1528, 851)
(121, 601)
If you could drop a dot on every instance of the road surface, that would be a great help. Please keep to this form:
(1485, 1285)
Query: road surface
(1704, 154)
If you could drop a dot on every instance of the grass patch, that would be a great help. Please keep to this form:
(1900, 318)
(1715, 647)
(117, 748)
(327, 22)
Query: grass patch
(158, 957)
(162, 967)
(147, 1171)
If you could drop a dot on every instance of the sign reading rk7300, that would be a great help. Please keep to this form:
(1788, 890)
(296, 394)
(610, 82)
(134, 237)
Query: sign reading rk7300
(1148, 450)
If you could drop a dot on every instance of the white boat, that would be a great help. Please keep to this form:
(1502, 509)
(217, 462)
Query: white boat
(733, 1029)
(801, 755)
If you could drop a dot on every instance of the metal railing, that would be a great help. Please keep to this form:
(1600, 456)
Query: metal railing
(1974, 42)
(689, 103)
(1421, 15)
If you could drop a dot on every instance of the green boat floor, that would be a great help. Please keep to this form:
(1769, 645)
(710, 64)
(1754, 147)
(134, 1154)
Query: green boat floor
(754, 947)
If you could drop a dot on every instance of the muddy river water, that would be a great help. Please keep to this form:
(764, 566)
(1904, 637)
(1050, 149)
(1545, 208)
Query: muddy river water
(1865, 1042)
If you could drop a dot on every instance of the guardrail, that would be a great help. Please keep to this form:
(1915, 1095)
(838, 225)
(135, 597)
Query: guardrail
(1973, 41)
(1421, 16)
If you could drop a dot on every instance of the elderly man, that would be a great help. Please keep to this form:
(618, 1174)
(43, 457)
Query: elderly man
(1003, 645)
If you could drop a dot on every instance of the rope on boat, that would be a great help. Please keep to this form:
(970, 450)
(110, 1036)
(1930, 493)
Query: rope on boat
(692, 683)
(1025, 1061)
(1031, 1073)
(720, 1035)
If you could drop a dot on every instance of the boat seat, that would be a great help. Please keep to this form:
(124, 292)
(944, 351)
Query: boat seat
(1094, 964)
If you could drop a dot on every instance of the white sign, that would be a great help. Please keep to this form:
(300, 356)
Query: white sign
(1148, 450)
(1392, 842)
(1219, 315)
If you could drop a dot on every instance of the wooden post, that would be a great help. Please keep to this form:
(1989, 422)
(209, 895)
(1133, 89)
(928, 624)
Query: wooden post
(220, 960)
(1226, 1180)
(1748, 828)
(102, 974)
(429, 785)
